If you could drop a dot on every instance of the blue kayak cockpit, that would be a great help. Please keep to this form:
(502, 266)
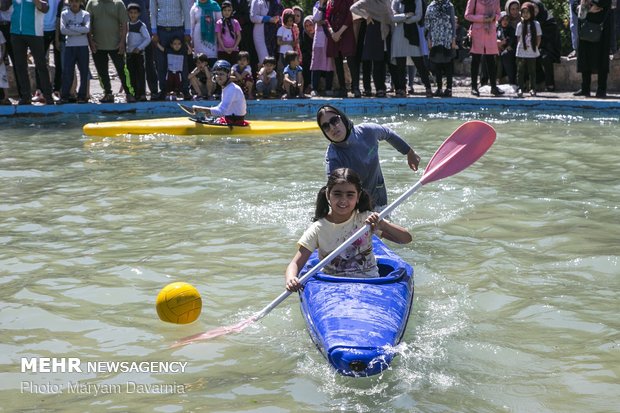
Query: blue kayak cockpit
(390, 270)
(355, 322)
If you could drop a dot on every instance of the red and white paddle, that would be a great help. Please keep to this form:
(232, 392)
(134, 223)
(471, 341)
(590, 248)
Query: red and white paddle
(464, 147)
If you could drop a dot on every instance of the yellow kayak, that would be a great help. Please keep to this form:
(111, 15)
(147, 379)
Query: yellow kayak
(185, 126)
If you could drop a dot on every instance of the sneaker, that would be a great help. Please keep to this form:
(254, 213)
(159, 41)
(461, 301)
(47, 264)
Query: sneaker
(130, 99)
(157, 97)
(533, 93)
(313, 94)
(37, 97)
(474, 91)
(82, 100)
(357, 93)
(519, 93)
(438, 92)
(107, 98)
(367, 94)
(447, 93)
(400, 94)
(429, 92)
(142, 98)
(380, 93)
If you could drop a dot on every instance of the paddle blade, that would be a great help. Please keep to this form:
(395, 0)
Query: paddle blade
(216, 332)
(187, 109)
(464, 147)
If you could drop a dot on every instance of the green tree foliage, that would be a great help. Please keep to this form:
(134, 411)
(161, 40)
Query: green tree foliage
(305, 4)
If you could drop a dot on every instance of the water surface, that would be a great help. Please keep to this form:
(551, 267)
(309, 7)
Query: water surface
(516, 260)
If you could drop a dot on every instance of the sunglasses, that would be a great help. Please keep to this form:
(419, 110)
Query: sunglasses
(326, 126)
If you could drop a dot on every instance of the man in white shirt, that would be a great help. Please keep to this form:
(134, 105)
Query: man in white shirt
(232, 108)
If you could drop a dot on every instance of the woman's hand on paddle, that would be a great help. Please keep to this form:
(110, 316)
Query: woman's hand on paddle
(413, 159)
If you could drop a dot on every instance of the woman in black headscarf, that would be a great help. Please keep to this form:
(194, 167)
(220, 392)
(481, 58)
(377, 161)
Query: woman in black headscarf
(550, 46)
(593, 57)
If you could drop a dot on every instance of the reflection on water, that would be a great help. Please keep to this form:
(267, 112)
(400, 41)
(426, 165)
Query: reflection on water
(516, 264)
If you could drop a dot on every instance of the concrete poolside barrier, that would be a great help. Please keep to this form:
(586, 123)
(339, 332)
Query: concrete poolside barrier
(258, 109)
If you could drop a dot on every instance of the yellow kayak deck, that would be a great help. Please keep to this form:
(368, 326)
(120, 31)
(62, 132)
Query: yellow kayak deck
(185, 126)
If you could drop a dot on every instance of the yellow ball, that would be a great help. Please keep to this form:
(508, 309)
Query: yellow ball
(178, 303)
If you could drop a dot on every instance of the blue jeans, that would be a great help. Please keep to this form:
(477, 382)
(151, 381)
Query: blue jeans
(266, 88)
(72, 56)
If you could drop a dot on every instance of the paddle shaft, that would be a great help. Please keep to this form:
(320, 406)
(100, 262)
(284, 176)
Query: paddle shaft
(386, 211)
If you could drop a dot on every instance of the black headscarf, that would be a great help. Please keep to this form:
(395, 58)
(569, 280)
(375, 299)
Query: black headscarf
(550, 46)
(347, 122)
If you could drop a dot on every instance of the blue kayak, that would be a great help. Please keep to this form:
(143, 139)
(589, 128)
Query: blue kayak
(355, 322)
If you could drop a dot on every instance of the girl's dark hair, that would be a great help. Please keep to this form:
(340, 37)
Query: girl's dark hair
(287, 15)
(341, 176)
(227, 21)
(529, 26)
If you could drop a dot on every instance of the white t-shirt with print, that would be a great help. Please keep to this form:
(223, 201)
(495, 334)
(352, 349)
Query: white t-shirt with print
(529, 52)
(357, 260)
(287, 35)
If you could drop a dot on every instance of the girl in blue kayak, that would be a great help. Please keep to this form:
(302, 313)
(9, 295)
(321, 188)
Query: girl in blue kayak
(342, 207)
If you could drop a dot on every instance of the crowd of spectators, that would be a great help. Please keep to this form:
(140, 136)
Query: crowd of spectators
(163, 49)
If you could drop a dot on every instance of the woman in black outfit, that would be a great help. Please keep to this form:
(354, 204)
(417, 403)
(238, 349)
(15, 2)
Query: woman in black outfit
(593, 57)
